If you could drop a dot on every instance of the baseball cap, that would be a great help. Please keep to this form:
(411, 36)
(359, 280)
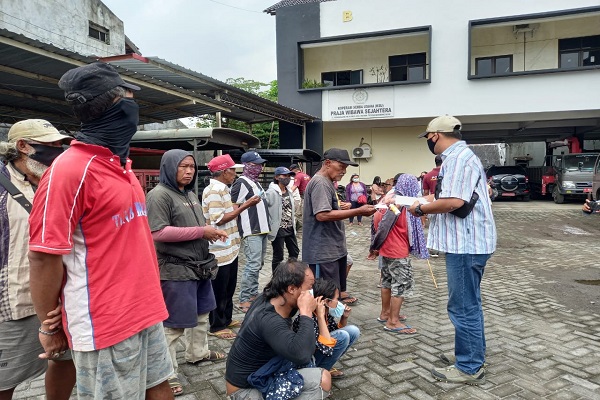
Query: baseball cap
(39, 130)
(221, 163)
(340, 155)
(283, 171)
(253, 157)
(443, 123)
(84, 83)
(294, 166)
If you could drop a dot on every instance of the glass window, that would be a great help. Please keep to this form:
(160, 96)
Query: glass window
(483, 66)
(408, 67)
(493, 65)
(579, 52)
(503, 65)
(341, 78)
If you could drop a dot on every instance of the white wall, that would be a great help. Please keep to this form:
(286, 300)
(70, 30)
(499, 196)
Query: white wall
(450, 92)
(64, 23)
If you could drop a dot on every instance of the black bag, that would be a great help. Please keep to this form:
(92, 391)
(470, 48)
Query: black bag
(205, 269)
(466, 208)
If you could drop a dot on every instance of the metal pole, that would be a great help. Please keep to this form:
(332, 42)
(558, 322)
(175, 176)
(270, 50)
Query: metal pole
(304, 135)
(195, 143)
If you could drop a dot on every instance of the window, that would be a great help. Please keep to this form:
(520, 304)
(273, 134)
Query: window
(579, 52)
(408, 67)
(98, 32)
(342, 78)
(493, 65)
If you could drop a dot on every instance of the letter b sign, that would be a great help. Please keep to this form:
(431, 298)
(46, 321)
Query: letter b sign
(347, 16)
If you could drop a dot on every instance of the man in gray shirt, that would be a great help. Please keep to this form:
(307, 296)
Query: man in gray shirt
(323, 238)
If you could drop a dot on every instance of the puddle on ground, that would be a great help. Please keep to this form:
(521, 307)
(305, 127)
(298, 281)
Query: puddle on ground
(595, 282)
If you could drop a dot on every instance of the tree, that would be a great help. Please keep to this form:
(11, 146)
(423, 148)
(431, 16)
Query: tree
(266, 132)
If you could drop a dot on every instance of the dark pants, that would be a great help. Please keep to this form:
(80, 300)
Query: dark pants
(224, 287)
(335, 271)
(358, 217)
(290, 242)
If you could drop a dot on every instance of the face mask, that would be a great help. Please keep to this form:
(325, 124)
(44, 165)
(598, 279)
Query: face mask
(114, 129)
(45, 154)
(285, 181)
(252, 171)
(431, 145)
(355, 179)
(338, 311)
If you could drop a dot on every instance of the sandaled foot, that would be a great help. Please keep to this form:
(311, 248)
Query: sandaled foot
(404, 330)
(176, 387)
(227, 334)
(336, 373)
(245, 306)
(349, 300)
(212, 356)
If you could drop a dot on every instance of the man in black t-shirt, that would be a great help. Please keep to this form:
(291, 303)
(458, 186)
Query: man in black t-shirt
(267, 333)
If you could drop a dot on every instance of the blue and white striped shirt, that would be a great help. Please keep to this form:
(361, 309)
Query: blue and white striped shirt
(475, 234)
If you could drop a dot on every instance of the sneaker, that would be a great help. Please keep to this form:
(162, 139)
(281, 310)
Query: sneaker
(452, 375)
(449, 359)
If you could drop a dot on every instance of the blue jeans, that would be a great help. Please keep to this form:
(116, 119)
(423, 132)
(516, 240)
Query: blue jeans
(254, 248)
(464, 309)
(345, 337)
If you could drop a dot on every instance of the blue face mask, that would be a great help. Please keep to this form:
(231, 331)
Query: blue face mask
(338, 311)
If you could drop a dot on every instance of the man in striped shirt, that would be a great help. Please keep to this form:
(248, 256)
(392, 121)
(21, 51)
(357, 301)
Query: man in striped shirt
(468, 243)
(219, 211)
(253, 225)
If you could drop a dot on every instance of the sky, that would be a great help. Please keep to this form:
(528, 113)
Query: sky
(219, 38)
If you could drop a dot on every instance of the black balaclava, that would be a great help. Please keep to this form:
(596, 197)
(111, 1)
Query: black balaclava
(114, 129)
(169, 163)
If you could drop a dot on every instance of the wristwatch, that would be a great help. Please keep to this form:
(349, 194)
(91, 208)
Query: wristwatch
(418, 211)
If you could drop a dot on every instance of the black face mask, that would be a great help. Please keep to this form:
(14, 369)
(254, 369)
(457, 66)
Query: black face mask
(431, 145)
(285, 181)
(45, 154)
(114, 129)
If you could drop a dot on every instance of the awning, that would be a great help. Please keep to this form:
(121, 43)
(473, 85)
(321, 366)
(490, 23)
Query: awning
(195, 139)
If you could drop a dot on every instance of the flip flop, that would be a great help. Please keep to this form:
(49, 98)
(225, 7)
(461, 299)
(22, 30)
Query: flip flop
(401, 318)
(349, 300)
(226, 334)
(175, 386)
(245, 306)
(234, 323)
(336, 373)
(399, 330)
(212, 356)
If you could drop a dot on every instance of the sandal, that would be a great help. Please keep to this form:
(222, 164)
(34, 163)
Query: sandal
(175, 386)
(349, 300)
(212, 356)
(336, 373)
(226, 334)
(234, 324)
(245, 306)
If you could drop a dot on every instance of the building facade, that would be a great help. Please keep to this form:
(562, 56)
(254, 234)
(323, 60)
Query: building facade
(376, 72)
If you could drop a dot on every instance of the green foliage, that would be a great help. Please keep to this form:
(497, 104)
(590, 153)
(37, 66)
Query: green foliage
(266, 132)
(312, 83)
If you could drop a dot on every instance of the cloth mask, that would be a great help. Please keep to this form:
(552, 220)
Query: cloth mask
(285, 181)
(252, 171)
(338, 311)
(431, 145)
(45, 154)
(355, 179)
(114, 129)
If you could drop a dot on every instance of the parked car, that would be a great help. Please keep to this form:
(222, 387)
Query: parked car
(509, 181)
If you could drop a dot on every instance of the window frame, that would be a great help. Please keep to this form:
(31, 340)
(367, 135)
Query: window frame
(351, 72)
(494, 59)
(92, 26)
(408, 66)
(579, 50)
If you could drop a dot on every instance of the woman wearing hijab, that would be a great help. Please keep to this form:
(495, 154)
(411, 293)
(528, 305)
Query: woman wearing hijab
(398, 234)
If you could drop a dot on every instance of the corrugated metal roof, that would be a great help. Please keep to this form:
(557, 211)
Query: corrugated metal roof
(288, 3)
(30, 70)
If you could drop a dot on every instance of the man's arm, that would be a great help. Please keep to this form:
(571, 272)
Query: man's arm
(338, 215)
(45, 280)
(238, 209)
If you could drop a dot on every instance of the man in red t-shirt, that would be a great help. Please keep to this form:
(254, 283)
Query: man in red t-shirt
(300, 181)
(90, 245)
(430, 180)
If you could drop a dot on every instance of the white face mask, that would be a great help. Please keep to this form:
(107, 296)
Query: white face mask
(355, 179)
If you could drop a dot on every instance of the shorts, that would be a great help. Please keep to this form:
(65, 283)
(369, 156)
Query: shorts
(397, 275)
(185, 300)
(310, 390)
(19, 350)
(125, 370)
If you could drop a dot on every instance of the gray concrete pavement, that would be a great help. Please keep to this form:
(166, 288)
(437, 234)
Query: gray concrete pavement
(542, 327)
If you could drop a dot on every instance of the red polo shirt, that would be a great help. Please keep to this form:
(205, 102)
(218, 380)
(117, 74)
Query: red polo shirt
(430, 180)
(300, 181)
(93, 212)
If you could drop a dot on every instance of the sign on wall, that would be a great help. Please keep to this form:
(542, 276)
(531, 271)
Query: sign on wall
(361, 103)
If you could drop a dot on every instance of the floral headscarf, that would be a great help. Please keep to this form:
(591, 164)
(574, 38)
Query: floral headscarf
(408, 185)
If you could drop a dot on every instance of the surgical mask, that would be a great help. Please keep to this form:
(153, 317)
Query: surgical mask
(338, 311)
(355, 179)
(431, 145)
(45, 154)
(285, 181)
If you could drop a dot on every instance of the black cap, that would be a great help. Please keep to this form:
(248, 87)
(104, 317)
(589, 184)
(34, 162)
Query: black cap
(294, 166)
(340, 155)
(438, 159)
(84, 83)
